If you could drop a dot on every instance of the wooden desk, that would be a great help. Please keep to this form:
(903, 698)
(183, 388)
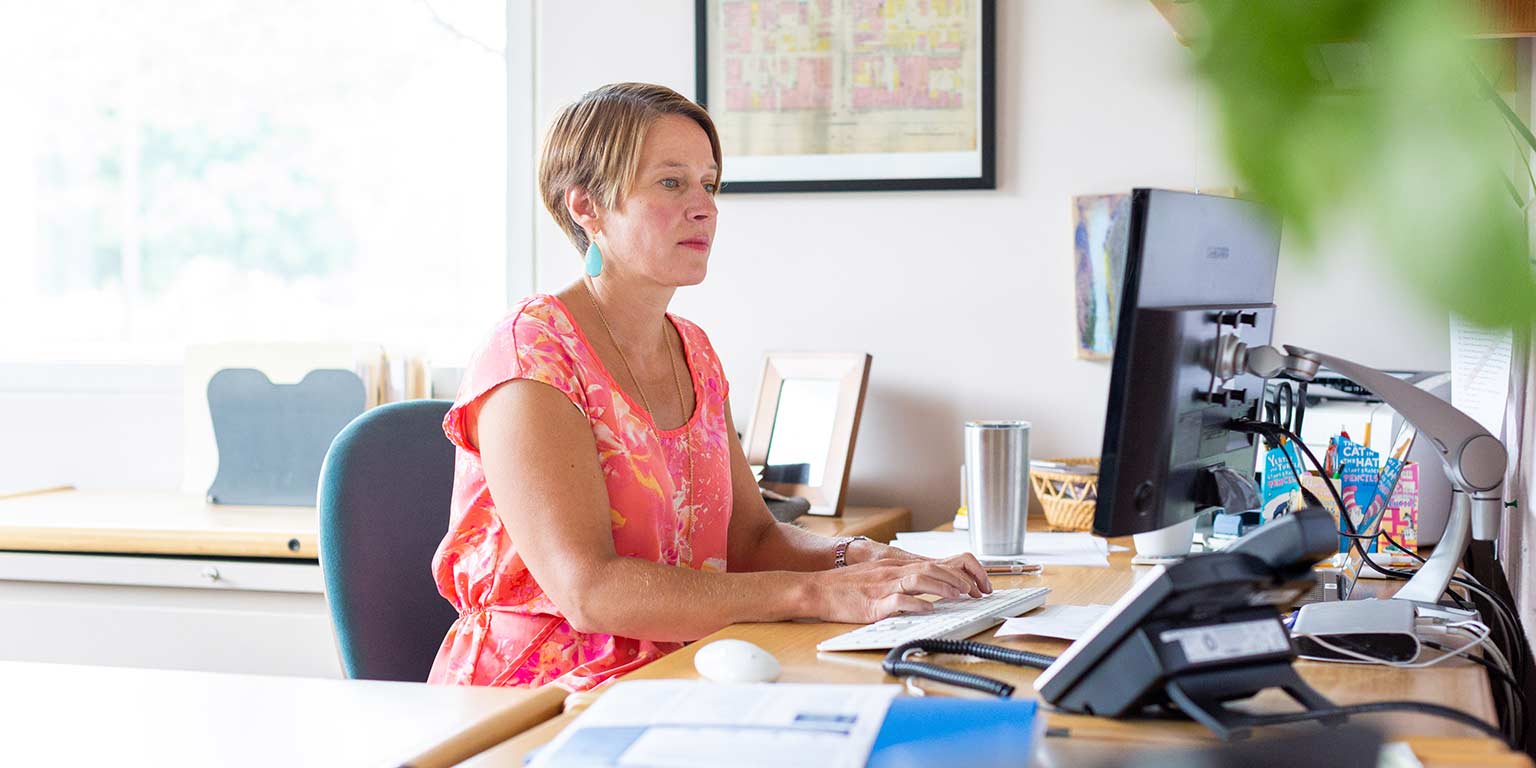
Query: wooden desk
(56, 714)
(17, 491)
(1437, 742)
(878, 523)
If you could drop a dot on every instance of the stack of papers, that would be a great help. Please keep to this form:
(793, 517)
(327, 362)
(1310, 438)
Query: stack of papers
(697, 723)
(1039, 547)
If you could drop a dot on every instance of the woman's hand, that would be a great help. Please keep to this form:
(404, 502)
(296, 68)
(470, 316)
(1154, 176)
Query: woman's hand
(868, 592)
(867, 551)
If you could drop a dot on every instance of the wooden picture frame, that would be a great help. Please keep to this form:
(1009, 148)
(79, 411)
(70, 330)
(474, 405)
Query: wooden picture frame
(850, 375)
(941, 136)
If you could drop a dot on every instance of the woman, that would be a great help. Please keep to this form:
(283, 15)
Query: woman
(587, 541)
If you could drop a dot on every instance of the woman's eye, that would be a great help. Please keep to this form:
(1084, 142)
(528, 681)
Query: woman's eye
(710, 187)
(670, 183)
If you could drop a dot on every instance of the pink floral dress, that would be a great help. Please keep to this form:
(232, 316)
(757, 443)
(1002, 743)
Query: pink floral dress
(508, 631)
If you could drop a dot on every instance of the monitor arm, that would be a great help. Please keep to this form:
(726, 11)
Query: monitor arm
(1474, 460)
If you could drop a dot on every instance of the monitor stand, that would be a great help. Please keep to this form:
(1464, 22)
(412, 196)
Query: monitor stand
(1165, 545)
(1474, 460)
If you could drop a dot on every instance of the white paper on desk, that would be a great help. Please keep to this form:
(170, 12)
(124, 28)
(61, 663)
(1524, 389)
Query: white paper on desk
(1045, 548)
(1067, 622)
(698, 723)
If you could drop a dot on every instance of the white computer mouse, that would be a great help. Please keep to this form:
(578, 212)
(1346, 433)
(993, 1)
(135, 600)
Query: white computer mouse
(736, 661)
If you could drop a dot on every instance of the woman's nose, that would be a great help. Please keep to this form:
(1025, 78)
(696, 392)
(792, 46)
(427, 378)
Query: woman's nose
(703, 208)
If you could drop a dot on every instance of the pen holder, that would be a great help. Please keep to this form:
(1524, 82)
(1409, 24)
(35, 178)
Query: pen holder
(1068, 495)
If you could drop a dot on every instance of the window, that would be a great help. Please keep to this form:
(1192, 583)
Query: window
(180, 172)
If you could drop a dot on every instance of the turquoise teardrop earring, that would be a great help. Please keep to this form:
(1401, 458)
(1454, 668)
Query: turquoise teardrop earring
(594, 260)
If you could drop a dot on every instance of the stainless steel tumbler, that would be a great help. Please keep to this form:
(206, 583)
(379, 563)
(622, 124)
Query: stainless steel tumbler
(997, 485)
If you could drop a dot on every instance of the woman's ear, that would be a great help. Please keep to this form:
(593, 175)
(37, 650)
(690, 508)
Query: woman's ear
(583, 208)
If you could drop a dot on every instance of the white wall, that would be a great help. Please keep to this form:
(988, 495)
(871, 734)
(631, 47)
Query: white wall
(91, 426)
(965, 299)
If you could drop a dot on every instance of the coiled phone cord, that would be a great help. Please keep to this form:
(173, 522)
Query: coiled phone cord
(897, 664)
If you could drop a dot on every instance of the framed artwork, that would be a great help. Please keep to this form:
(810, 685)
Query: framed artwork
(1101, 228)
(849, 95)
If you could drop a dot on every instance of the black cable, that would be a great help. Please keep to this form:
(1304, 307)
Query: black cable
(1488, 594)
(1460, 601)
(1267, 429)
(1513, 639)
(1494, 599)
(1420, 707)
(1513, 708)
(1455, 598)
(1301, 407)
(1271, 434)
(1507, 639)
(1514, 653)
(1311, 498)
(1493, 669)
(1344, 512)
(1511, 645)
(1498, 602)
(1405, 550)
(897, 665)
(922, 669)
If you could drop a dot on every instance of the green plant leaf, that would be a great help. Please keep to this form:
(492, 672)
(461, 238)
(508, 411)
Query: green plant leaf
(1499, 103)
(1411, 145)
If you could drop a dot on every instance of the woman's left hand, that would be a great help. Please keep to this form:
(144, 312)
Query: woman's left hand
(866, 551)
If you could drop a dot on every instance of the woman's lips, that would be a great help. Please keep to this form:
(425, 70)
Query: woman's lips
(697, 245)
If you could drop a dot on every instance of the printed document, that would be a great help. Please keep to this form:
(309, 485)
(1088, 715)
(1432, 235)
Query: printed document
(1480, 360)
(699, 723)
(1067, 622)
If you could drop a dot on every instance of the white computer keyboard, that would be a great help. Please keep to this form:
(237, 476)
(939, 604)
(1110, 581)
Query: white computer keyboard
(955, 619)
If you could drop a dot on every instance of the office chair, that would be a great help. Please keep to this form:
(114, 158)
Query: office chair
(384, 493)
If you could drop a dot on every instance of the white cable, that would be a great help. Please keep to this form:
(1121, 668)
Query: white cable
(1492, 653)
(913, 689)
(1478, 639)
(1352, 657)
(1496, 657)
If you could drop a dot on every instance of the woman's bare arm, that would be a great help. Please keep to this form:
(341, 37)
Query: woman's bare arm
(758, 542)
(542, 468)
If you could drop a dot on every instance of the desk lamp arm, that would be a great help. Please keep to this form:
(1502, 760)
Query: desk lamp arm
(1474, 460)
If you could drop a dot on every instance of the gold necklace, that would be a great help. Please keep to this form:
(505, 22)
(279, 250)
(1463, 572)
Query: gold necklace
(672, 361)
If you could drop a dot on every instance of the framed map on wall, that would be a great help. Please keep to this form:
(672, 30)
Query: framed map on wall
(844, 95)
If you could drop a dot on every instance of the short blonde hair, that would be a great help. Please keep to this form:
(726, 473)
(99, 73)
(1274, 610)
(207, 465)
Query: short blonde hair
(594, 143)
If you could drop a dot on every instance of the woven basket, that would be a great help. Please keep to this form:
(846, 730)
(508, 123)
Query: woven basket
(1068, 498)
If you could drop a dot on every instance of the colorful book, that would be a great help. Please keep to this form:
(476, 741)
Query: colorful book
(1280, 480)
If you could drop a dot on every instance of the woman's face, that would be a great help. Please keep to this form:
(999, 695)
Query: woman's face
(665, 225)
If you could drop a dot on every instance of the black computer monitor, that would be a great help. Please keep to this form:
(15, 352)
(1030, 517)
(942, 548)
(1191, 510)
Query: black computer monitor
(1199, 274)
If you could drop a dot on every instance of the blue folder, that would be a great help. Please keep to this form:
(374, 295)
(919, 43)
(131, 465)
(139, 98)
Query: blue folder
(924, 731)
(920, 731)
